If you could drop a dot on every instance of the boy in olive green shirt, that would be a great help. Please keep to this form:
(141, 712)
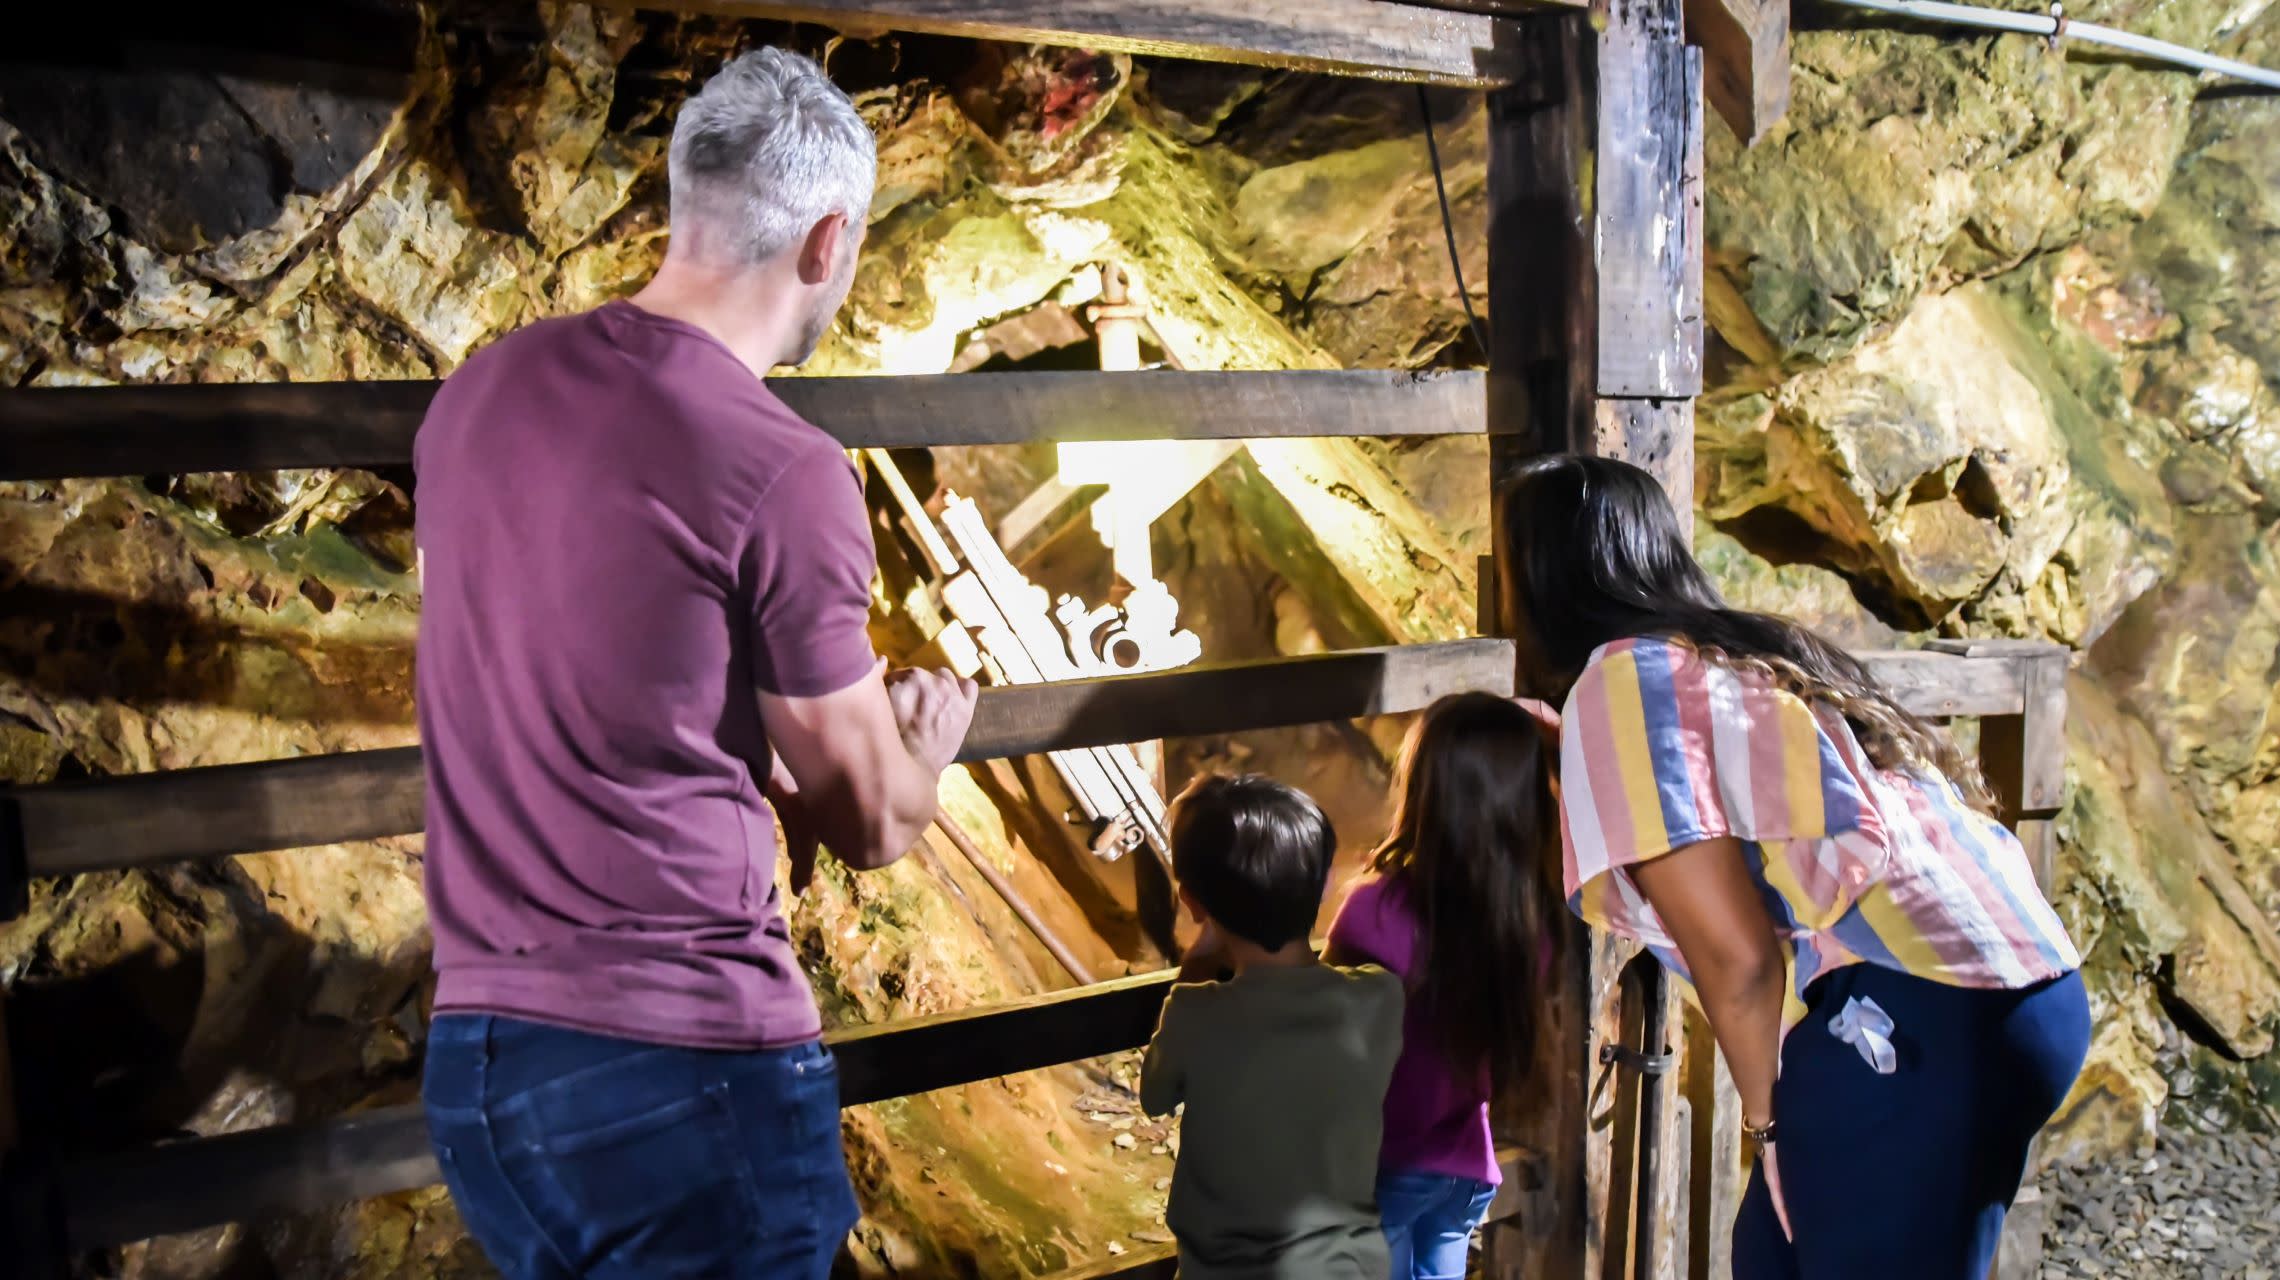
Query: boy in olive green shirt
(1283, 1067)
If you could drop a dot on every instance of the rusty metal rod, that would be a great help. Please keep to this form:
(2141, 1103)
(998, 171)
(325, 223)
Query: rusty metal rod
(1013, 899)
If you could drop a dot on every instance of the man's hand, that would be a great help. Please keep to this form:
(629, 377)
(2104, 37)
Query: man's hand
(800, 840)
(933, 709)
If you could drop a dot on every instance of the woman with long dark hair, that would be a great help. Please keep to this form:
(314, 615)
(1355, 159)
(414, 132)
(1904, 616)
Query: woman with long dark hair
(1462, 904)
(1820, 866)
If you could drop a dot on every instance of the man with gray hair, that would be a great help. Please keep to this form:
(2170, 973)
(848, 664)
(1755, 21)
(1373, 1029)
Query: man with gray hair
(646, 587)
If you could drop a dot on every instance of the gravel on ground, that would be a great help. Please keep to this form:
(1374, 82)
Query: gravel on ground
(2203, 1207)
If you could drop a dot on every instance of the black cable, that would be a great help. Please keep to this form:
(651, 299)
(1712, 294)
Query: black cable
(1448, 224)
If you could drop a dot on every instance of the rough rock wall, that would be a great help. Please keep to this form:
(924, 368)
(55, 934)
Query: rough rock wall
(1995, 348)
(1992, 355)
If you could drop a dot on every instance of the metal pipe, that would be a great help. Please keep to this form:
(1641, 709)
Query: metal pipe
(1654, 1036)
(2056, 26)
(1013, 899)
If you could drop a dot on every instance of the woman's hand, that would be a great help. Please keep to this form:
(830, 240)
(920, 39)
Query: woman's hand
(1772, 1168)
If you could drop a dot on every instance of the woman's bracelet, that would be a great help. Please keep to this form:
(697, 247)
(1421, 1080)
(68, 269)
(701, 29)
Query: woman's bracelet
(1762, 1135)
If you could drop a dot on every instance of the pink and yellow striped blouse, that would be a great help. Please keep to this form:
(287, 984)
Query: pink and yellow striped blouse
(1660, 749)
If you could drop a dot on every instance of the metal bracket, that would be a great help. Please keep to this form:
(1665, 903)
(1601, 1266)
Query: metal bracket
(1646, 1064)
(15, 859)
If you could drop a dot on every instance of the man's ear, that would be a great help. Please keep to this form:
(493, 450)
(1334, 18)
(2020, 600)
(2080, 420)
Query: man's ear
(819, 252)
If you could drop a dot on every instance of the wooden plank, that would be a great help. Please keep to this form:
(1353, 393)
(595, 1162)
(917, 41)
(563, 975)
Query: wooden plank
(1649, 340)
(1542, 282)
(134, 820)
(1542, 315)
(51, 433)
(1349, 37)
(184, 1186)
(1594, 301)
(1157, 1262)
(2023, 756)
(1942, 686)
(1746, 46)
(920, 1055)
(1715, 1193)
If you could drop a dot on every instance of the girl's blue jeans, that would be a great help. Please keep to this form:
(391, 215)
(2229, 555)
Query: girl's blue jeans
(1429, 1220)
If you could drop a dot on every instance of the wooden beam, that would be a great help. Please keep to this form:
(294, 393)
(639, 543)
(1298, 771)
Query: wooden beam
(1648, 215)
(2023, 755)
(1939, 686)
(51, 433)
(1746, 46)
(1347, 37)
(135, 820)
(184, 1186)
(1595, 347)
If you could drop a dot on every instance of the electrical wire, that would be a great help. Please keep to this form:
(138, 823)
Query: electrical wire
(1448, 224)
(2056, 26)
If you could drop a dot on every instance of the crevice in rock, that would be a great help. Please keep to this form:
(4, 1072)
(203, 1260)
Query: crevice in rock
(2185, 1017)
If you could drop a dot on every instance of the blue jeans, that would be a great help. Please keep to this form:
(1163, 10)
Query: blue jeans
(1429, 1220)
(1908, 1176)
(576, 1155)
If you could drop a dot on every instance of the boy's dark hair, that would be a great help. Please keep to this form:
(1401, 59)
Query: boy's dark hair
(1255, 854)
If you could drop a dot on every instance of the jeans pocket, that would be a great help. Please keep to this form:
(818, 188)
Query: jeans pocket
(637, 1177)
(787, 1115)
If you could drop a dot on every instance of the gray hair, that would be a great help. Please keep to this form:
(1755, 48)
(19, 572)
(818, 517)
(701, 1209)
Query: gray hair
(769, 147)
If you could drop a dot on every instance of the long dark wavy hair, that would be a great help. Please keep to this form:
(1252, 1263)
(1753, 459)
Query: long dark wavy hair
(1475, 847)
(1593, 552)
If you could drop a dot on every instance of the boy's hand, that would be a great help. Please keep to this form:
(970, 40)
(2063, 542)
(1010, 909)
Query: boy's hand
(1204, 961)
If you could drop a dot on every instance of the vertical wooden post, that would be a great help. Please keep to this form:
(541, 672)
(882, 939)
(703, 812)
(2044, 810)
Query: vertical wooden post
(1595, 346)
(2023, 758)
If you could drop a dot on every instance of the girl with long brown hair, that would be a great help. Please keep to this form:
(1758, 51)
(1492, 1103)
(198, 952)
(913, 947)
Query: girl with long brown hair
(1462, 905)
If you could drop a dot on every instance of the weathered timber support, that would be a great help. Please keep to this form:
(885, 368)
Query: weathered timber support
(2023, 756)
(48, 433)
(1595, 288)
(1352, 37)
(1745, 46)
(137, 820)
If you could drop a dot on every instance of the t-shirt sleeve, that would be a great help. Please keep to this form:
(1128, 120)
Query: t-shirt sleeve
(1373, 927)
(808, 559)
(1163, 1073)
(1385, 1001)
(1661, 749)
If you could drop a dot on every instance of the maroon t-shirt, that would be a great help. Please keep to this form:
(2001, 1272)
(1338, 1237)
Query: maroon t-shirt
(626, 536)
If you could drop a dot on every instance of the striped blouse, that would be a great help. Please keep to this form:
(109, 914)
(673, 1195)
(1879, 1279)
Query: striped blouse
(1660, 749)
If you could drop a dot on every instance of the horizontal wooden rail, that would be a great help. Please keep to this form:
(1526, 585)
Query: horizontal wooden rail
(138, 819)
(1941, 686)
(52, 433)
(183, 1186)
(1348, 37)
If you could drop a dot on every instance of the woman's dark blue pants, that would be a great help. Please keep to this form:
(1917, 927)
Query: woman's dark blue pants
(1907, 1176)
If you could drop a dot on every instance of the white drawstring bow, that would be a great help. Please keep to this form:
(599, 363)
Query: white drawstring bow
(1865, 1026)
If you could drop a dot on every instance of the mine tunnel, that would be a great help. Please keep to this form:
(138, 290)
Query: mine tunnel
(1184, 352)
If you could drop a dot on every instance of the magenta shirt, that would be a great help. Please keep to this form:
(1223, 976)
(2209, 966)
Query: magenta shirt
(1436, 1119)
(626, 537)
